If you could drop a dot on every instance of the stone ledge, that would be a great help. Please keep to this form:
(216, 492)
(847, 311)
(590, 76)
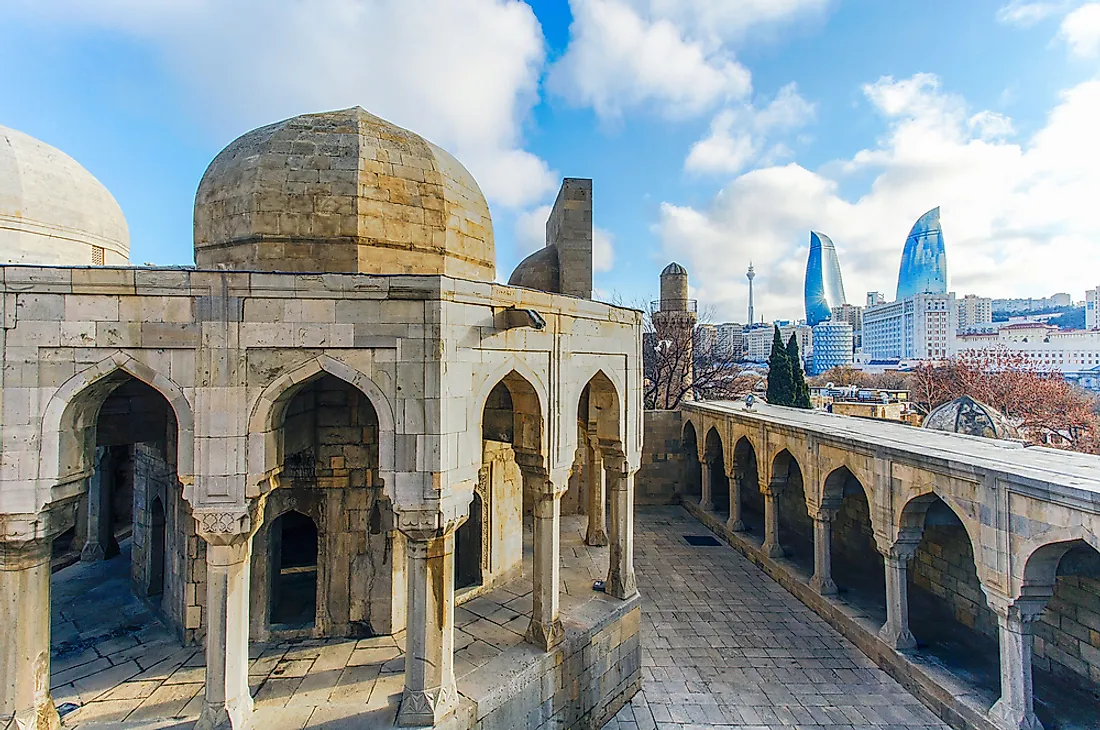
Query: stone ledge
(949, 699)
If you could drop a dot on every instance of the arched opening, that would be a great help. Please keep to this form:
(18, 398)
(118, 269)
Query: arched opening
(130, 568)
(468, 537)
(716, 471)
(857, 565)
(326, 434)
(293, 571)
(692, 488)
(1066, 640)
(752, 501)
(598, 439)
(796, 530)
(157, 546)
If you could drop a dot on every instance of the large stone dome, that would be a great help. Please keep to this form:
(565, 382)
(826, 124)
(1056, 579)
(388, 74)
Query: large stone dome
(54, 212)
(342, 191)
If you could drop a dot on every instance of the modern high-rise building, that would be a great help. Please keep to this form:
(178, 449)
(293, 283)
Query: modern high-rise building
(974, 311)
(824, 285)
(832, 345)
(1092, 309)
(853, 315)
(923, 260)
(920, 327)
(731, 341)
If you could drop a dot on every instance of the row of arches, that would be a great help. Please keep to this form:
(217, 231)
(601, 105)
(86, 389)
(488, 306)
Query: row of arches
(923, 588)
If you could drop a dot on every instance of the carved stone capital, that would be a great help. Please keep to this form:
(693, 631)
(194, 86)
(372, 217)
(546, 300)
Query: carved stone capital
(223, 527)
(421, 525)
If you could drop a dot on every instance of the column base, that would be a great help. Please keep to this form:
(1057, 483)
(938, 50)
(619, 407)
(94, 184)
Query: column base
(426, 707)
(822, 587)
(92, 552)
(43, 717)
(773, 550)
(1010, 718)
(595, 538)
(230, 716)
(735, 525)
(545, 636)
(895, 639)
(706, 506)
(621, 587)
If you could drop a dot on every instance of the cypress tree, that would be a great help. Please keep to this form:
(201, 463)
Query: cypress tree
(800, 389)
(780, 381)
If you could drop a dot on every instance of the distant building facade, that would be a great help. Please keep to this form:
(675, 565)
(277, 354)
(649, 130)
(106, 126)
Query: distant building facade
(824, 286)
(974, 311)
(923, 260)
(853, 315)
(875, 297)
(731, 340)
(1043, 346)
(920, 327)
(1092, 309)
(705, 339)
(1028, 304)
(832, 345)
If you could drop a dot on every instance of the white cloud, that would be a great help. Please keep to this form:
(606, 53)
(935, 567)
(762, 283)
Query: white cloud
(1025, 14)
(1014, 211)
(464, 73)
(530, 236)
(1081, 30)
(739, 135)
(603, 250)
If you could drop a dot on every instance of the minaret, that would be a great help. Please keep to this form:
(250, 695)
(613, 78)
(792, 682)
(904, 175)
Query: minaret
(751, 275)
(674, 318)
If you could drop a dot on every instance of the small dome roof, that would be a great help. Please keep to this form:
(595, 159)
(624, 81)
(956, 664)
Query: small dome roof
(971, 417)
(674, 269)
(342, 191)
(53, 211)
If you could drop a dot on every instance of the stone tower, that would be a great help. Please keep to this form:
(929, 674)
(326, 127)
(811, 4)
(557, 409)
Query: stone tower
(674, 318)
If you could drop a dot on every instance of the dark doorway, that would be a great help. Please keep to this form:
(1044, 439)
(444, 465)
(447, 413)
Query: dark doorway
(157, 539)
(294, 571)
(468, 548)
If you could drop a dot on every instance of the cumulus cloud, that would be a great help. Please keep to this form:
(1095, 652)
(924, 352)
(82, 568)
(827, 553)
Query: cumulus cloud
(1081, 30)
(603, 250)
(739, 135)
(1014, 211)
(1024, 13)
(464, 73)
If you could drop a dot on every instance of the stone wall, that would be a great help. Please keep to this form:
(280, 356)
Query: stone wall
(944, 566)
(1067, 640)
(796, 530)
(855, 556)
(660, 478)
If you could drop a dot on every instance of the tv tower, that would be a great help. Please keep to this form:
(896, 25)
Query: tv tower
(751, 275)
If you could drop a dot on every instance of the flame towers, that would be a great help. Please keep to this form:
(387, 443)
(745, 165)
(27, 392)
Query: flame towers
(824, 285)
(923, 260)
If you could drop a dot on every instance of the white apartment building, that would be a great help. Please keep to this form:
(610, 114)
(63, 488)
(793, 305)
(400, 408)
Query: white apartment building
(1044, 346)
(921, 327)
(1092, 309)
(758, 341)
(974, 311)
(1029, 304)
(731, 340)
(704, 340)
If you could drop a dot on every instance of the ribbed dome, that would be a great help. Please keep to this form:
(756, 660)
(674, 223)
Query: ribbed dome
(342, 191)
(674, 269)
(971, 417)
(54, 212)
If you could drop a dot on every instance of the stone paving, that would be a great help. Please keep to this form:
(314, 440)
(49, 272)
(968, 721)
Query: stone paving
(725, 646)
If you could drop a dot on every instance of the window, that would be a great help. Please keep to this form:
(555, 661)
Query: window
(97, 256)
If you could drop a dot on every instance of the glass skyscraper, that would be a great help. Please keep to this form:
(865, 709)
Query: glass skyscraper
(924, 260)
(824, 287)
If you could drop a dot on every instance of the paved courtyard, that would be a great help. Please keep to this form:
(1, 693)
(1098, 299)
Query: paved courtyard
(726, 646)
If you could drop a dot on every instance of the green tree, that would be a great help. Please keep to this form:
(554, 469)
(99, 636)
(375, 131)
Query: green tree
(800, 389)
(780, 381)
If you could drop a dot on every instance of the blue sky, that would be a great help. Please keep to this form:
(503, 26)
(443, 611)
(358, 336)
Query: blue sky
(716, 131)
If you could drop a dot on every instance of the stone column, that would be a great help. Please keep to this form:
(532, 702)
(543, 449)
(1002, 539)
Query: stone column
(735, 523)
(430, 693)
(545, 630)
(597, 498)
(771, 546)
(822, 580)
(705, 502)
(25, 701)
(621, 582)
(98, 542)
(1015, 710)
(895, 632)
(226, 703)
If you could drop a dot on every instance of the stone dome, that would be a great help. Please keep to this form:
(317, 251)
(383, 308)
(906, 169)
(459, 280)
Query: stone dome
(342, 191)
(53, 212)
(674, 269)
(971, 417)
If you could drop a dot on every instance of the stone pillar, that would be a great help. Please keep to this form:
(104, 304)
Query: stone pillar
(545, 630)
(1015, 710)
(895, 632)
(226, 703)
(25, 701)
(735, 523)
(621, 582)
(597, 498)
(100, 534)
(705, 502)
(822, 580)
(771, 546)
(430, 693)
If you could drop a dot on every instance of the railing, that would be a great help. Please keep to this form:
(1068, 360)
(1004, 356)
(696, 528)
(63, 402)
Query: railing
(674, 305)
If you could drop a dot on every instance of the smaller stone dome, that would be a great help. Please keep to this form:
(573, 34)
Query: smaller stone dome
(970, 417)
(674, 269)
(53, 212)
